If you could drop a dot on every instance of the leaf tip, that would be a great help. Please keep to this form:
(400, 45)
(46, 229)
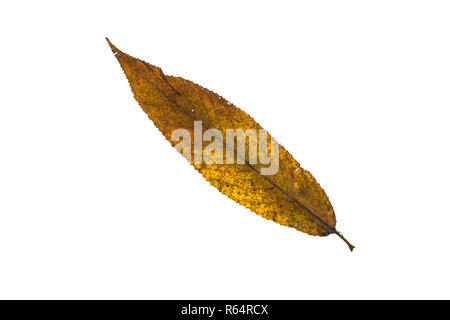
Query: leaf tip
(113, 47)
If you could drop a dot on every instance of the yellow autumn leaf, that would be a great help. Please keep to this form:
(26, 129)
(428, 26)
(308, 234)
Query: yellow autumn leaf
(265, 178)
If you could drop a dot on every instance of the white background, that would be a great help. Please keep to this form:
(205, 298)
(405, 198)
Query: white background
(94, 203)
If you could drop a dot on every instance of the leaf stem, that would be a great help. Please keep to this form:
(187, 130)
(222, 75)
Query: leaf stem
(350, 246)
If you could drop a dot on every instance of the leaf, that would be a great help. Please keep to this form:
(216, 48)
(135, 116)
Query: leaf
(290, 197)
